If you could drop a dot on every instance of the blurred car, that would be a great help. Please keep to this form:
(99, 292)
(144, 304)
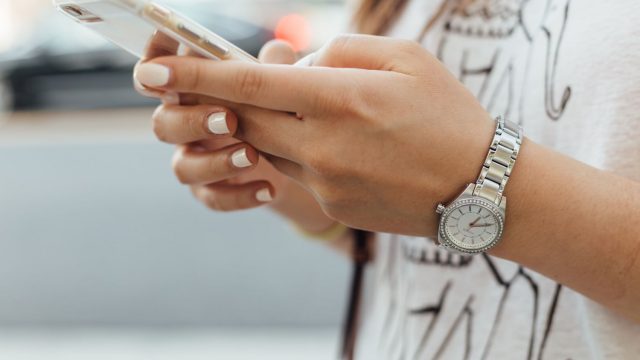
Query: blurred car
(63, 66)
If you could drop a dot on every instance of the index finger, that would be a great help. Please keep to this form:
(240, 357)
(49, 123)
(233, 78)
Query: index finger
(159, 45)
(276, 87)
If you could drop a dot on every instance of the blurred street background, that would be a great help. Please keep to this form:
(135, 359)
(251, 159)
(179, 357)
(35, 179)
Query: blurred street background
(102, 254)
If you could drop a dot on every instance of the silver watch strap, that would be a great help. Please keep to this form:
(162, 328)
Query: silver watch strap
(500, 161)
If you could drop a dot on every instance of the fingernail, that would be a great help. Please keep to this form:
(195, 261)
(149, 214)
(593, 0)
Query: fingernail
(240, 159)
(153, 75)
(217, 123)
(140, 88)
(264, 195)
(171, 98)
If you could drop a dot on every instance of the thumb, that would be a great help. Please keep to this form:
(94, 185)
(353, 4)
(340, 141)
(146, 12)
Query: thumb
(277, 52)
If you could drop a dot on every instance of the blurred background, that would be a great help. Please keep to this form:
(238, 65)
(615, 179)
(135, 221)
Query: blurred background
(102, 254)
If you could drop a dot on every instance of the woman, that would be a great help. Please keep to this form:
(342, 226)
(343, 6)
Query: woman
(379, 131)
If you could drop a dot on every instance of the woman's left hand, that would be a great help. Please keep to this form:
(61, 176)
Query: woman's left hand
(383, 131)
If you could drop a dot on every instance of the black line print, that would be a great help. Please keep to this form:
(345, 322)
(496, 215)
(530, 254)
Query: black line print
(434, 311)
(494, 327)
(505, 28)
(549, 324)
(555, 112)
(485, 83)
(507, 287)
(505, 77)
(465, 314)
(444, 258)
(489, 46)
(536, 300)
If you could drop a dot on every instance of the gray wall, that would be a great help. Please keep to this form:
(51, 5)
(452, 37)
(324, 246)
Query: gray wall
(103, 235)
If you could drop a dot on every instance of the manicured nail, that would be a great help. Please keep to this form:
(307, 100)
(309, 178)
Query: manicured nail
(138, 86)
(153, 75)
(171, 98)
(240, 159)
(217, 123)
(264, 195)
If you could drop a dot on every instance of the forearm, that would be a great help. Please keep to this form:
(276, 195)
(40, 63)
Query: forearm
(577, 225)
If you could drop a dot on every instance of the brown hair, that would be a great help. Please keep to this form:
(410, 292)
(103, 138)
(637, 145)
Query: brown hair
(376, 16)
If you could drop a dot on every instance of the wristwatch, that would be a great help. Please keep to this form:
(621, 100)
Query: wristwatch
(474, 222)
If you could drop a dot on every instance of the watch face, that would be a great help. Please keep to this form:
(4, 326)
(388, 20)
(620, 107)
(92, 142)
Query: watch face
(471, 225)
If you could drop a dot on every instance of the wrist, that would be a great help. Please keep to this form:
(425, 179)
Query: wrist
(474, 221)
(461, 165)
(299, 207)
(524, 203)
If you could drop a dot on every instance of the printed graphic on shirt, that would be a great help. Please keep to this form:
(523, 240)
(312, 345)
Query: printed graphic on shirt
(488, 44)
(445, 316)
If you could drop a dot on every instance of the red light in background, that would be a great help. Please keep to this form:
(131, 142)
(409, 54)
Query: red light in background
(294, 29)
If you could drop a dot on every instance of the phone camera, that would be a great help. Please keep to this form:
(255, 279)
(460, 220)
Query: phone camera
(80, 14)
(72, 10)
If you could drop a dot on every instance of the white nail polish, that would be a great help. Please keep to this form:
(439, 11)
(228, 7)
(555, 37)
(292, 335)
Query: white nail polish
(240, 159)
(264, 195)
(142, 90)
(217, 123)
(153, 75)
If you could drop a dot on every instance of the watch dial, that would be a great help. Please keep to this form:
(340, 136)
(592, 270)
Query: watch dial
(471, 226)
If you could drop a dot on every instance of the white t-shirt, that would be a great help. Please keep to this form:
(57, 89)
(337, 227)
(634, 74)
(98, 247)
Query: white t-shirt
(569, 71)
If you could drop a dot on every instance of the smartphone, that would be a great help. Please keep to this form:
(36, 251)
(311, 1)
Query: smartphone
(130, 24)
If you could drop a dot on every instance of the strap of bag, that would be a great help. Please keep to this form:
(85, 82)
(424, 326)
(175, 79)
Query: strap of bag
(360, 258)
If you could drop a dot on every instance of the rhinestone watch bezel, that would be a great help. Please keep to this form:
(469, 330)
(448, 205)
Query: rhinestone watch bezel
(445, 236)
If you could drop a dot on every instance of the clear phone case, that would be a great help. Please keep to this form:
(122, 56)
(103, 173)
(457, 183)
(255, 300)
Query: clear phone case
(130, 24)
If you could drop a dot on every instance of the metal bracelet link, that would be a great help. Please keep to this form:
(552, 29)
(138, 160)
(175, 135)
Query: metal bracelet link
(500, 161)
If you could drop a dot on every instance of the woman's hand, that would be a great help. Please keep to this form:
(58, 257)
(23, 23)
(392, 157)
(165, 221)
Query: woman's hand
(386, 131)
(222, 172)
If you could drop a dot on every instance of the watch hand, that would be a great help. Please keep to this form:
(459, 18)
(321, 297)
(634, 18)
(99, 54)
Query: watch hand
(475, 221)
(482, 225)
